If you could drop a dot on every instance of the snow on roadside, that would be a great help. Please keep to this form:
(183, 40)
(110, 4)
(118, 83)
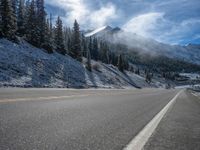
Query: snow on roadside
(192, 76)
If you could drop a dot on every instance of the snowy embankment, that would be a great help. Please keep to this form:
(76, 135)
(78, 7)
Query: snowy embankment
(22, 65)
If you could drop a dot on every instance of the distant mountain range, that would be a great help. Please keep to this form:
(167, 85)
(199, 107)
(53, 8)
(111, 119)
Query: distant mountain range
(189, 53)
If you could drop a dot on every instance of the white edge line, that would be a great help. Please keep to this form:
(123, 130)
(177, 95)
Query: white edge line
(142, 137)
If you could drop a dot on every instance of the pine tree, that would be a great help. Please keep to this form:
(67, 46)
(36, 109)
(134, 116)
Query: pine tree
(88, 54)
(14, 7)
(69, 45)
(120, 63)
(95, 50)
(126, 64)
(137, 71)
(114, 59)
(104, 52)
(68, 40)
(58, 39)
(31, 26)
(76, 47)
(85, 47)
(90, 46)
(51, 31)
(89, 60)
(26, 15)
(41, 21)
(8, 19)
(148, 77)
(47, 45)
(21, 19)
(1, 23)
(65, 38)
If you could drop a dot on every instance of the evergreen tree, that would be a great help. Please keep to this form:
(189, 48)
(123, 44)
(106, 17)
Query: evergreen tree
(95, 50)
(120, 63)
(90, 46)
(8, 20)
(1, 23)
(68, 40)
(31, 26)
(51, 31)
(65, 38)
(85, 47)
(69, 45)
(89, 60)
(148, 77)
(59, 42)
(47, 45)
(26, 15)
(137, 71)
(83, 41)
(76, 47)
(114, 59)
(41, 21)
(104, 52)
(14, 7)
(126, 64)
(21, 19)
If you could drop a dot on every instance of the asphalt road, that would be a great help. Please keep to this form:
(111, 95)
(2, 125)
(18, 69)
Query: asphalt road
(180, 128)
(58, 119)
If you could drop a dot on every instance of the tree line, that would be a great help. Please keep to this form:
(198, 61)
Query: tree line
(29, 20)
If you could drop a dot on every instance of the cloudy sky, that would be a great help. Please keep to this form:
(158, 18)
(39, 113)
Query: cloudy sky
(168, 21)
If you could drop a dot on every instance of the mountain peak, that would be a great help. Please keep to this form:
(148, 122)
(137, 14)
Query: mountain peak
(98, 30)
(108, 28)
(103, 30)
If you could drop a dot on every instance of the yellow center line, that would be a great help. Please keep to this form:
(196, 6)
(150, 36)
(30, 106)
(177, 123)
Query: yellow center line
(59, 97)
(40, 98)
(67, 96)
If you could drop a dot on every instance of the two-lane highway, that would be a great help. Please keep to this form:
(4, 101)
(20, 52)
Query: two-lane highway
(59, 119)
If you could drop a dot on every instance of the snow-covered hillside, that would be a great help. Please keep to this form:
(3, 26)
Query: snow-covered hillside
(23, 65)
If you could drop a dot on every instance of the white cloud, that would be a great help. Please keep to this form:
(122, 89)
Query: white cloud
(184, 27)
(156, 26)
(78, 9)
(161, 20)
(196, 37)
(101, 16)
(179, 31)
(144, 24)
